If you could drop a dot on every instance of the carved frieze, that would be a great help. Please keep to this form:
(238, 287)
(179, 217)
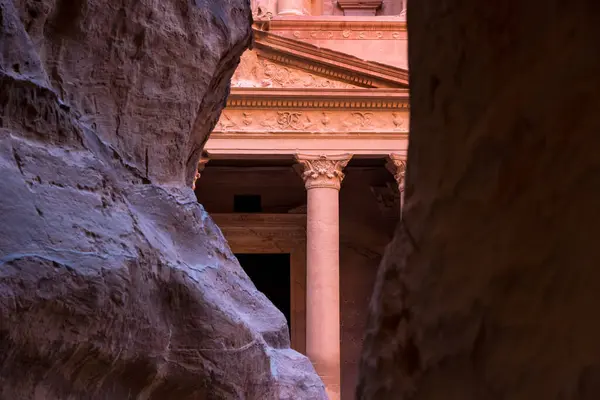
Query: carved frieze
(314, 121)
(257, 72)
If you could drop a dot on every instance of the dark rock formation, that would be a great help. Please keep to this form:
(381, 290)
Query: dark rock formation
(491, 289)
(114, 282)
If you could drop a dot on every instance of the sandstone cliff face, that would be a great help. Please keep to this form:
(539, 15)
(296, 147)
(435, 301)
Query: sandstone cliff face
(114, 282)
(491, 288)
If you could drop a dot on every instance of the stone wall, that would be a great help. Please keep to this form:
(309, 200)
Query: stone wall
(114, 282)
(491, 288)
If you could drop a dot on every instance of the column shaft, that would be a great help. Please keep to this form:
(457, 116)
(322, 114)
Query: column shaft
(323, 287)
(322, 177)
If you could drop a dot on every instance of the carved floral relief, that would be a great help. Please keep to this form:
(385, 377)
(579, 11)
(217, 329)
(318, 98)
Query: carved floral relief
(255, 71)
(282, 120)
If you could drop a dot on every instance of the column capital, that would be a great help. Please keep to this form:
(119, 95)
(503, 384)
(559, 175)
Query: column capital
(396, 164)
(321, 171)
(201, 165)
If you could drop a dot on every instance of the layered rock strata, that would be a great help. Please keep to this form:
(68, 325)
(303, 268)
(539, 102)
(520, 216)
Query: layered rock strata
(491, 288)
(114, 282)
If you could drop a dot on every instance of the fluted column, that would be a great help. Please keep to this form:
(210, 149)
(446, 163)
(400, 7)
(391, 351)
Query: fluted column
(322, 177)
(397, 166)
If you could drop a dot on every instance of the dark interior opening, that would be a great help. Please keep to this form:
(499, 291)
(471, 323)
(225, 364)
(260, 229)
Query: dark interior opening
(247, 203)
(270, 273)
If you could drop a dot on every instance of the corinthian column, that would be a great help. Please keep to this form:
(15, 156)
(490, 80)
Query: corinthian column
(397, 166)
(322, 177)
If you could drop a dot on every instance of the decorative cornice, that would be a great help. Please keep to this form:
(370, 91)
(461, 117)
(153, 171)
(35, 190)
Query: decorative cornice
(322, 171)
(353, 99)
(329, 63)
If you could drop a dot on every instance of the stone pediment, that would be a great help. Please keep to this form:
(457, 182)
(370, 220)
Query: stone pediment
(256, 71)
(280, 62)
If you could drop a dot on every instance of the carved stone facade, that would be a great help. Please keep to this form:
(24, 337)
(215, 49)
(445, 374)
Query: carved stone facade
(397, 166)
(316, 98)
(255, 71)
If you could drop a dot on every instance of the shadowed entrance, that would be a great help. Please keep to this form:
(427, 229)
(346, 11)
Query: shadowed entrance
(270, 273)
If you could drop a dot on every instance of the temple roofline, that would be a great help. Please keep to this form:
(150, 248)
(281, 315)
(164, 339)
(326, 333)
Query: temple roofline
(327, 62)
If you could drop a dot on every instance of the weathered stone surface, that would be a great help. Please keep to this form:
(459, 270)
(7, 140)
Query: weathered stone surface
(491, 288)
(114, 282)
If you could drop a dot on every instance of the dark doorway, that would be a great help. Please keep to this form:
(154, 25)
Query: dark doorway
(270, 273)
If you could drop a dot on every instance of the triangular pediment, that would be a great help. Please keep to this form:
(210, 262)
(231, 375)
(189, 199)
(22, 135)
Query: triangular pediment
(257, 71)
(279, 62)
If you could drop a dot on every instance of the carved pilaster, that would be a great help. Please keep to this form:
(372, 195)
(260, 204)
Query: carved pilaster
(397, 166)
(322, 171)
(201, 165)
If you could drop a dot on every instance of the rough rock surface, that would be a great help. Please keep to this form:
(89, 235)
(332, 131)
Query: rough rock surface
(491, 288)
(114, 282)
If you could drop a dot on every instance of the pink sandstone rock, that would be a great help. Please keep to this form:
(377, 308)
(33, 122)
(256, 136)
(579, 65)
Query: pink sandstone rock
(491, 288)
(114, 282)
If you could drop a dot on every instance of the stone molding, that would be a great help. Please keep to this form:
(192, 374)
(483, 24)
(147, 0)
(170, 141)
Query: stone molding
(397, 166)
(283, 145)
(329, 63)
(347, 99)
(322, 171)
